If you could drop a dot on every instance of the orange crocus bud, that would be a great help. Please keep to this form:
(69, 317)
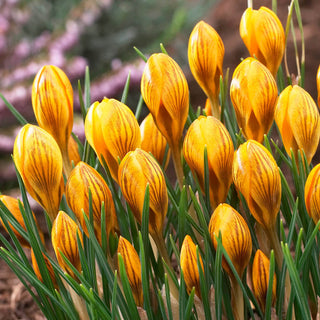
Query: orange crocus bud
(112, 130)
(210, 133)
(52, 101)
(260, 279)
(132, 265)
(205, 55)
(256, 175)
(48, 265)
(264, 37)
(312, 194)
(64, 239)
(73, 151)
(165, 91)
(153, 141)
(189, 266)
(137, 170)
(38, 159)
(253, 93)
(235, 235)
(297, 118)
(82, 179)
(12, 205)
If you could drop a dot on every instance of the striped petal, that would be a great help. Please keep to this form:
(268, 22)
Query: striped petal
(165, 91)
(39, 162)
(253, 93)
(235, 235)
(256, 176)
(64, 239)
(210, 133)
(137, 170)
(297, 118)
(205, 55)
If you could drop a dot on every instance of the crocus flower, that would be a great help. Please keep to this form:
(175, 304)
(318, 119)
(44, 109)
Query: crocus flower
(264, 37)
(260, 279)
(205, 55)
(164, 89)
(12, 205)
(132, 265)
(112, 130)
(256, 175)
(82, 179)
(297, 118)
(235, 235)
(210, 133)
(38, 159)
(153, 141)
(253, 93)
(312, 194)
(73, 151)
(137, 170)
(189, 266)
(52, 101)
(64, 239)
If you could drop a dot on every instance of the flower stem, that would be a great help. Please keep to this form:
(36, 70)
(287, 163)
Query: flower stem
(214, 102)
(236, 299)
(67, 167)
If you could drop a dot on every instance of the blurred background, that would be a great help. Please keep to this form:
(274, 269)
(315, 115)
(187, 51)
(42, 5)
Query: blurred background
(101, 34)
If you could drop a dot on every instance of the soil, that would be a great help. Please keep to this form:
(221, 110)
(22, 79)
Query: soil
(15, 301)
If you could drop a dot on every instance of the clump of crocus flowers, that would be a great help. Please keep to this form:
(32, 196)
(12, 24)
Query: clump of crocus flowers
(192, 214)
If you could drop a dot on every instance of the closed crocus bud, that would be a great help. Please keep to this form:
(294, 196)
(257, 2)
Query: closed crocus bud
(189, 266)
(82, 179)
(260, 279)
(73, 151)
(253, 93)
(210, 133)
(256, 175)
(165, 91)
(312, 194)
(52, 101)
(112, 130)
(153, 141)
(235, 235)
(297, 118)
(48, 265)
(205, 55)
(137, 170)
(64, 239)
(132, 265)
(12, 205)
(39, 162)
(264, 37)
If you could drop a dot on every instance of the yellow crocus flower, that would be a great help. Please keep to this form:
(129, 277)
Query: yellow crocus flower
(137, 170)
(205, 55)
(264, 37)
(253, 93)
(256, 175)
(210, 133)
(52, 101)
(189, 266)
(82, 179)
(132, 265)
(297, 118)
(64, 238)
(38, 159)
(112, 130)
(260, 279)
(235, 235)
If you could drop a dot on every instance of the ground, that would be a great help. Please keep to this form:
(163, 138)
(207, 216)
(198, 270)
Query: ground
(15, 302)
